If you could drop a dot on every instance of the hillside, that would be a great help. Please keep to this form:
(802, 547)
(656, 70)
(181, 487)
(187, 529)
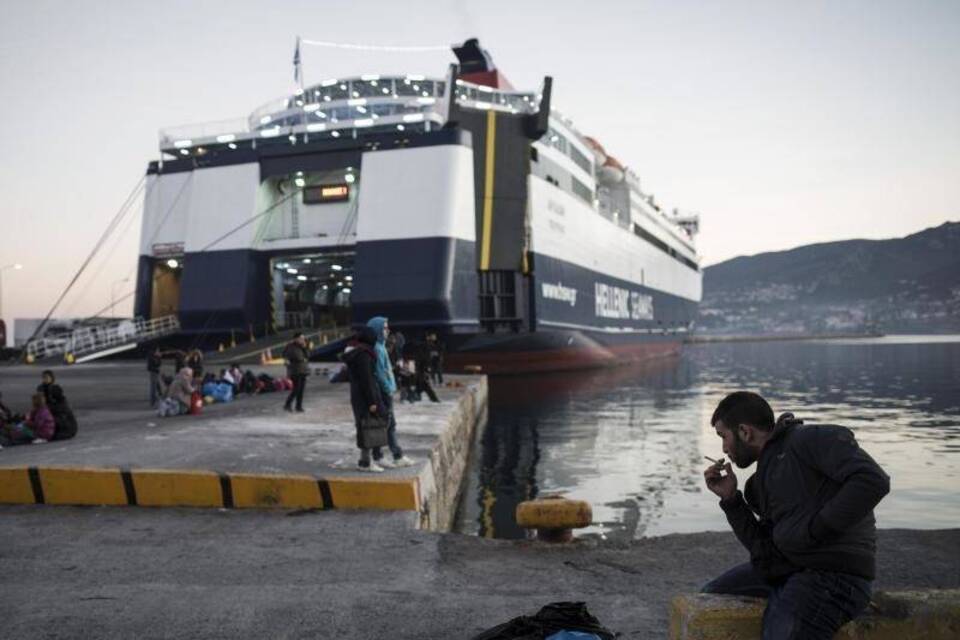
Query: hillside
(909, 284)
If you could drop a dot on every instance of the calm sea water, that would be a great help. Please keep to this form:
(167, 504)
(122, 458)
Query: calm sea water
(631, 441)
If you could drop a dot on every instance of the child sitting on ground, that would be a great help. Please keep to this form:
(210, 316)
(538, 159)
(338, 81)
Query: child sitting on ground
(38, 425)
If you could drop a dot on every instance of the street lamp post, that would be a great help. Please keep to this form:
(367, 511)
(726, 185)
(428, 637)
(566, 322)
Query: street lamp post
(16, 266)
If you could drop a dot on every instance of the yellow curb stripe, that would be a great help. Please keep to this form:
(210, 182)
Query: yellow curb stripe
(400, 494)
(82, 485)
(15, 487)
(189, 488)
(290, 492)
(160, 488)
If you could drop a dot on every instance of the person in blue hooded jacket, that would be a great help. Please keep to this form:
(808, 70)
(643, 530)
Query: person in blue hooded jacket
(388, 386)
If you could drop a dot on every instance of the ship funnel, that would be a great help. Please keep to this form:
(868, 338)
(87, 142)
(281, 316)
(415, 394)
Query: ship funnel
(476, 66)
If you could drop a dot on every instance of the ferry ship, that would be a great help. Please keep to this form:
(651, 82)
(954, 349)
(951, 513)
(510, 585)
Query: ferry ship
(454, 204)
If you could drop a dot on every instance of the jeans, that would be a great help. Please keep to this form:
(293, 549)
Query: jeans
(809, 605)
(392, 443)
(299, 383)
(154, 388)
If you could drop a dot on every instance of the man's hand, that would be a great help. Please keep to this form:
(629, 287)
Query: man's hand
(373, 408)
(724, 486)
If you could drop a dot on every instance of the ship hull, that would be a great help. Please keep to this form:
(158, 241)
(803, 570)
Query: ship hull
(560, 350)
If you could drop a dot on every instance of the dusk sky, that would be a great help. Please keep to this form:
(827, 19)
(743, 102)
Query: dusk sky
(781, 123)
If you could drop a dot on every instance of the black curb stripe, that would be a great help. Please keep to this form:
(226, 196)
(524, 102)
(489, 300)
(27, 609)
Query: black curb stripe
(226, 490)
(325, 494)
(36, 485)
(128, 487)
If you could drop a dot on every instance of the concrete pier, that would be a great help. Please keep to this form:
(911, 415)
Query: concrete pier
(248, 453)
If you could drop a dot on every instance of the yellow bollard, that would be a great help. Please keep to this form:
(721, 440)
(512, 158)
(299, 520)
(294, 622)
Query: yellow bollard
(554, 517)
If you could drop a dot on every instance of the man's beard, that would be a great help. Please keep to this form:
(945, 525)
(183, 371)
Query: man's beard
(741, 454)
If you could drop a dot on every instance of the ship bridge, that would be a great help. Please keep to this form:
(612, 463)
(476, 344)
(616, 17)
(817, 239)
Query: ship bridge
(345, 108)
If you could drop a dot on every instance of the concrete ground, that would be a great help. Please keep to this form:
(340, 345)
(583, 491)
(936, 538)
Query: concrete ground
(123, 572)
(252, 434)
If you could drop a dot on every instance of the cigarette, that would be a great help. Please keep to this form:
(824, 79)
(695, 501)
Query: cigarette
(716, 462)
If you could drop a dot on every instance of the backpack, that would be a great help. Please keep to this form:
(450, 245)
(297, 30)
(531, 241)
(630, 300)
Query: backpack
(552, 619)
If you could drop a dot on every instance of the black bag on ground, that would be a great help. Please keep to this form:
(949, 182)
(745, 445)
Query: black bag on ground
(65, 422)
(372, 432)
(551, 619)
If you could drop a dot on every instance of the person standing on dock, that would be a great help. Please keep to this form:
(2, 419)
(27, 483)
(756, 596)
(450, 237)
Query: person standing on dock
(805, 516)
(298, 368)
(360, 358)
(436, 350)
(154, 363)
(388, 387)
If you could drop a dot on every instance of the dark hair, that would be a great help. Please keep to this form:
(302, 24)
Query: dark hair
(47, 372)
(367, 336)
(743, 407)
(298, 334)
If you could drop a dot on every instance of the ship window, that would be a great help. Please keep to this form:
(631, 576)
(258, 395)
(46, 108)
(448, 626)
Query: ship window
(333, 92)
(368, 88)
(580, 159)
(663, 246)
(405, 88)
(556, 140)
(581, 190)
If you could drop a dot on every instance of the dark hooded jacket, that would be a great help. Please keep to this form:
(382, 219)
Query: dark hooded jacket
(814, 492)
(360, 358)
(66, 422)
(298, 359)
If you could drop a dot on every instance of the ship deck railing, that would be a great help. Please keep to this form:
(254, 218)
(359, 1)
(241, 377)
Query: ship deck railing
(320, 109)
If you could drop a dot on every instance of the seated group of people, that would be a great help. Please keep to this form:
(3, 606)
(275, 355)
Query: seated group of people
(49, 417)
(179, 392)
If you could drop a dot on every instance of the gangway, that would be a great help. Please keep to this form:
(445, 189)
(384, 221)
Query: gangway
(271, 347)
(90, 343)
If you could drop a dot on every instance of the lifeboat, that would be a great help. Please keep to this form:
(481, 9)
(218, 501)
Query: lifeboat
(609, 169)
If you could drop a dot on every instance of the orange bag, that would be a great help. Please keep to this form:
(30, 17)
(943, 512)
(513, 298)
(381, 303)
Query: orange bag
(196, 403)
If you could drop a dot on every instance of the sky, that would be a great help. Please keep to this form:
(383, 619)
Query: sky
(781, 123)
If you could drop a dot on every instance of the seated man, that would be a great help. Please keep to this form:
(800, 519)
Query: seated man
(56, 401)
(180, 393)
(805, 516)
(7, 416)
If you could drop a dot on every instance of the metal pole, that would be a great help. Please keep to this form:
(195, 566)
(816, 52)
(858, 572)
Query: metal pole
(16, 267)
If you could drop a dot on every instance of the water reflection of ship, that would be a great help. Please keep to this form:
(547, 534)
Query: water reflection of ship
(520, 408)
(534, 392)
(510, 452)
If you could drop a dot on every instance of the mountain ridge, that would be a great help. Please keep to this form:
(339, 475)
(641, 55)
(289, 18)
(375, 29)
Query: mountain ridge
(909, 283)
